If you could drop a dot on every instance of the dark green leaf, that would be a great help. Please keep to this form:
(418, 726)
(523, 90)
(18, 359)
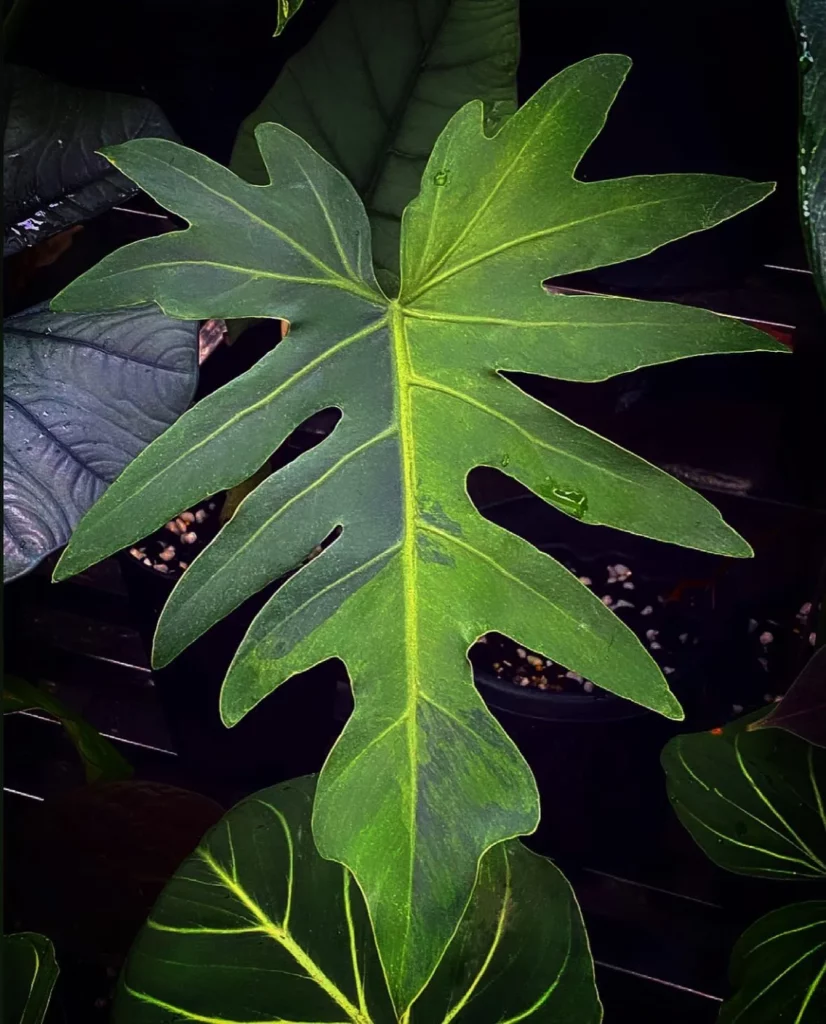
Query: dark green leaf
(29, 974)
(752, 798)
(376, 85)
(809, 20)
(803, 710)
(257, 926)
(53, 176)
(83, 394)
(779, 969)
(101, 760)
(416, 575)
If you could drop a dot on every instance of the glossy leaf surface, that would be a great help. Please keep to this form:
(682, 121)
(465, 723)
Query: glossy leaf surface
(802, 710)
(82, 396)
(53, 176)
(257, 926)
(416, 574)
(809, 20)
(29, 975)
(100, 759)
(778, 968)
(752, 799)
(374, 87)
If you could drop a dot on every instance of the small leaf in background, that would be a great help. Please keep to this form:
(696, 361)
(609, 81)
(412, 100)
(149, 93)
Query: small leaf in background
(256, 925)
(374, 87)
(286, 9)
(414, 574)
(778, 969)
(100, 758)
(752, 799)
(809, 21)
(83, 394)
(29, 974)
(53, 176)
(802, 710)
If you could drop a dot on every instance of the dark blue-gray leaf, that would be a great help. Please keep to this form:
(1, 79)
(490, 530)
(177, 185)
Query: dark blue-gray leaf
(83, 395)
(29, 974)
(53, 176)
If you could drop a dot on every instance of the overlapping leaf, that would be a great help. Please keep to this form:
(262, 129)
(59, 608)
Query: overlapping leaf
(423, 780)
(82, 396)
(753, 799)
(779, 968)
(29, 975)
(255, 925)
(374, 87)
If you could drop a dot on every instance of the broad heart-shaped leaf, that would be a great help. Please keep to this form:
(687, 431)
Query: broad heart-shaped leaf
(82, 395)
(255, 925)
(753, 799)
(100, 759)
(809, 20)
(779, 968)
(374, 87)
(29, 975)
(803, 709)
(53, 176)
(423, 780)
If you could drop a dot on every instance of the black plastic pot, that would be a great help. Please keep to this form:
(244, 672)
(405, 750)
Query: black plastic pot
(596, 758)
(288, 734)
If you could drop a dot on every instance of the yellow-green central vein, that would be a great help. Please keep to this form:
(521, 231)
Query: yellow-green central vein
(404, 378)
(285, 940)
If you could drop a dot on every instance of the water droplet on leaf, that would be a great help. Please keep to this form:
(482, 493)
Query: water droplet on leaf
(570, 500)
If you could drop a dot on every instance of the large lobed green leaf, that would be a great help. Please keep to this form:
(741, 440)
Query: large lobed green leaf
(374, 87)
(29, 975)
(752, 798)
(423, 780)
(255, 925)
(778, 968)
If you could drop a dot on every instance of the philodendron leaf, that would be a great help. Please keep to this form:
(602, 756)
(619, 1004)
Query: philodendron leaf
(29, 975)
(416, 574)
(82, 395)
(374, 87)
(809, 20)
(255, 925)
(53, 176)
(803, 709)
(101, 760)
(753, 799)
(778, 968)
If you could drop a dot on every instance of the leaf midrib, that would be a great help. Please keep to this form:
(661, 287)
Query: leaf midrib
(409, 575)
